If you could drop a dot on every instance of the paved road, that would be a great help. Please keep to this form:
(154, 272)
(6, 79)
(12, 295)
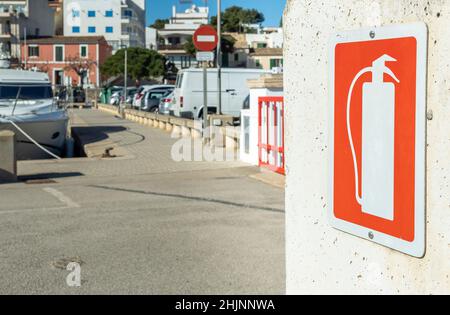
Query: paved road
(168, 228)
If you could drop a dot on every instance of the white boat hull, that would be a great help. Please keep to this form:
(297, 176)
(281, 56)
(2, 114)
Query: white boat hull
(51, 134)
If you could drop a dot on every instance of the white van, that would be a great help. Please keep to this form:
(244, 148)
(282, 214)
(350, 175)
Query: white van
(188, 94)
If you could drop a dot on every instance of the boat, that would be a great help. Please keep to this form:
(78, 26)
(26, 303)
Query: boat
(28, 108)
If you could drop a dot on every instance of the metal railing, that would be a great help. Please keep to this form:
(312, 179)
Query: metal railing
(271, 133)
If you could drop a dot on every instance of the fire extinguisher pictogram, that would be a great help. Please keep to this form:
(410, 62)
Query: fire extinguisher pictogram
(378, 134)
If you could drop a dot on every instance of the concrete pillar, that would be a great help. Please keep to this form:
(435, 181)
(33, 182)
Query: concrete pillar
(231, 143)
(196, 134)
(186, 132)
(169, 127)
(162, 125)
(176, 132)
(155, 123)
(8, 162)
(319, 258)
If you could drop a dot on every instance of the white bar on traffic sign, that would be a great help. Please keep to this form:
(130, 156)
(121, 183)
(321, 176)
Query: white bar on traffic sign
(206, 38)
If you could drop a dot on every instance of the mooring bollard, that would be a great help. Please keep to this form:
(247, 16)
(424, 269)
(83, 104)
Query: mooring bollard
(8, 161)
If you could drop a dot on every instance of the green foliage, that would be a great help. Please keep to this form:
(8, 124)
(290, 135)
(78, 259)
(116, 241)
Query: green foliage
(159, 24)
(234, 17)
(189, 47)
(142, 63)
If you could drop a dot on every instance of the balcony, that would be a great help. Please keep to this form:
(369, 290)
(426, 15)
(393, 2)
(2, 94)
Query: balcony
(5, 36)
(171, 47)
(8, 10)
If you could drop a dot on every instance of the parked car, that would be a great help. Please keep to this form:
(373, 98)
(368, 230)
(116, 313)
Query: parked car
(188, 100)
(117, 97)
(165, 106)
(130, 97)
(140, 93)
(152, 99)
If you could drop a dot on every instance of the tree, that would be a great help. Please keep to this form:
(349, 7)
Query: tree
(234, 18)
(159, 24)
(79, 65)
(189, 47)
(142, 64)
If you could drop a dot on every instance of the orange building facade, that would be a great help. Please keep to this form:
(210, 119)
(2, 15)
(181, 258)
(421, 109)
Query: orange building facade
(69, 61)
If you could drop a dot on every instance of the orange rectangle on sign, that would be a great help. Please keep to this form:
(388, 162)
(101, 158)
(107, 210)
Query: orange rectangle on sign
(377, 187)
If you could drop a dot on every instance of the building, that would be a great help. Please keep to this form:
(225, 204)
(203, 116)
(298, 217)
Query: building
(20, 19)
(121, 22)
(180, 29)
(263, 49)
(268, 37)
(151, 38)
(266, 58)
(68, 60)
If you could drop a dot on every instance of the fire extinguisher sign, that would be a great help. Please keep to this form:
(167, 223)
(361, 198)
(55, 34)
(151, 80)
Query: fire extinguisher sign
(378, 134)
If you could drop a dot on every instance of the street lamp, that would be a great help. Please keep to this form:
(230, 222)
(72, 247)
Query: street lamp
(125, 76)
(219, 56)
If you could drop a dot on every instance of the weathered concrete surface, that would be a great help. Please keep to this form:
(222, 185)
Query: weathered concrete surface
(202, 232)
(8, 161)
(319, 258)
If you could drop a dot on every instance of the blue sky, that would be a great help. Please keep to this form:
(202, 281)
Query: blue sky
(272, 9)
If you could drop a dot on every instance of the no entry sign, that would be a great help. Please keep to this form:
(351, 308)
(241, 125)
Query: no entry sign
(377, 162)
(205, 38)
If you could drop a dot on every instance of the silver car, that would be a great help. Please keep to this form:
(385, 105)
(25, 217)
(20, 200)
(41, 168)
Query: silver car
(152, 99)
(165, 105)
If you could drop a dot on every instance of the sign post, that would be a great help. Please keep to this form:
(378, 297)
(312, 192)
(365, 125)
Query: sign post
(205, 40)
(377, 144)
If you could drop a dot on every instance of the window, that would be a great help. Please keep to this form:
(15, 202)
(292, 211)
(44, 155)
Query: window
(91, 13)
(156, 95)
(75, 29)
(83, 51)
(128, 13)
(236, 57)
(109, 13)
(275, 63)
(262, 45)
(258, 63)
(33, 51)
(26, 92)
(59, 53)
(92, 29)
(75, 13)
(109, 29)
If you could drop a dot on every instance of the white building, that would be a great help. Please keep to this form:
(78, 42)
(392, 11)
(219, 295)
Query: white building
(121, 22)
(151, 38)
(24, 18)
(180, 29)
(266, 38)
(262, 49)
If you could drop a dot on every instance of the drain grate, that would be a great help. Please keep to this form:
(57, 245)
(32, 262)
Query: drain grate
(63, 262)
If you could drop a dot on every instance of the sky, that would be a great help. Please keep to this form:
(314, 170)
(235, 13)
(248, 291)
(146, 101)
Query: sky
(272, 9)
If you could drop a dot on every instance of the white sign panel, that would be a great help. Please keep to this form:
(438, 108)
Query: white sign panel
(377, 143)
(205, 56)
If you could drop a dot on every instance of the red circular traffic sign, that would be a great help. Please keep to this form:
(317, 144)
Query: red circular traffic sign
(205, 38)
